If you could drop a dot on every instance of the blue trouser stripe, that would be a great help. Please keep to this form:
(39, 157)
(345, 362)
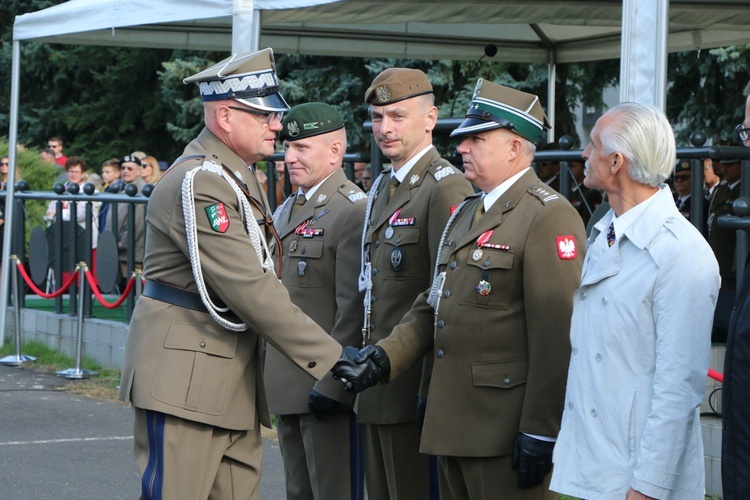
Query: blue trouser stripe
(434, 485)
(151, 482)
(356, 459)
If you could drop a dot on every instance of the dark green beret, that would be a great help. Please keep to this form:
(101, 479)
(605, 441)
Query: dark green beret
(310, 119)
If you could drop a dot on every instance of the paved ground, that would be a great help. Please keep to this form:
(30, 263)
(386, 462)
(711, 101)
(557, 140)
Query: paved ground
(54, 444)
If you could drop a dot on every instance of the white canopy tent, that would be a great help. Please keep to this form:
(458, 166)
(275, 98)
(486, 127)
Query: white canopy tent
(543, 31)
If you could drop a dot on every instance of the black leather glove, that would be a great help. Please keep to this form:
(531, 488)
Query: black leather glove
(421, 409)
(355, 376)
(533, 459)
(377, 355)
(320, 405)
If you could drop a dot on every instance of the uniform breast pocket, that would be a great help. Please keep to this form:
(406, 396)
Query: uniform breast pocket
(305, 268)
(189, 373)
(401, 255)
(488, 279)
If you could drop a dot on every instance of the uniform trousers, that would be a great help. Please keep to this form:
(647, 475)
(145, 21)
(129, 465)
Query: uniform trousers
(394, 468)
(481, 478)
(323, 459)
(182, 459)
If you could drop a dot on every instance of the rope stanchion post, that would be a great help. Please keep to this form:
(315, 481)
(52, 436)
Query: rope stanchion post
(17, 359)
(77, 372)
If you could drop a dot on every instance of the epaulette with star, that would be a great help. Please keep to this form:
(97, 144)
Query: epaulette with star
(542, 192)
(441, 169)
(353, 195)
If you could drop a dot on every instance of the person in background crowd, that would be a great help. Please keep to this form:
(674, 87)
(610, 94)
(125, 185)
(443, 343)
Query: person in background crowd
(130, 173)
(316, 425)
(640, 331)
(584, 199)
(683, 187)
(56, 145)
(723, 241)
(111, 184)
(498, 330)
(4, 169)
(549, 170)
(212, 298)
(150, 169)
(735, 443)
(367, 179)
(408, 208)
(711, 179)
(359, 169)
(47, 155)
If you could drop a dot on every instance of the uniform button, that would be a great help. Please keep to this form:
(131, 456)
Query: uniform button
(575, 351)
(583, 296)
(372, 299)
(453, 264)
(570, 406)
(377, 243)
(598, 357)
(506, 381)
(374, 271)
(398, 240)
(439, 353)
(604, 300)
(447, 294)
(312, 364)
(202, 345)
(593, 413)
(440, 323)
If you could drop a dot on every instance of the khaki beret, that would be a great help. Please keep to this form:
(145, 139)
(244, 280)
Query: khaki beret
(496, 106)
(397, 84)
(310, 119)
(249, 78)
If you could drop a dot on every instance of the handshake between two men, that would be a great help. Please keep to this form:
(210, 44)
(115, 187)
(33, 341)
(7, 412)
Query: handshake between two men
(361, 369)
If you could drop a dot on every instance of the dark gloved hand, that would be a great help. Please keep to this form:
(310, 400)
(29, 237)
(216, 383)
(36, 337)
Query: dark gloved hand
(421, 409)
(355, 376)
(320, 405)
(533, 459)
(378, 355)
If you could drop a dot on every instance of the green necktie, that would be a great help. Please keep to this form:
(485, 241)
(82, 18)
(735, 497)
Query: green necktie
(297, 205)
(392, 187)
(478, 213)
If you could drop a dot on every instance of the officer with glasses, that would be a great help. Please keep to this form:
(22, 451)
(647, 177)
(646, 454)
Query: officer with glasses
(212, 297)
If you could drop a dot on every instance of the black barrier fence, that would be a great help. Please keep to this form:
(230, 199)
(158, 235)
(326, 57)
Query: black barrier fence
(58, 248)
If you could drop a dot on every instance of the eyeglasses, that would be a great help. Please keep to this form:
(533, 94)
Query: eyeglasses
(4, 163)
(742, 132)
(678, 178)
(53, 146)
(269, 116)
(366, 178)
(128, 168)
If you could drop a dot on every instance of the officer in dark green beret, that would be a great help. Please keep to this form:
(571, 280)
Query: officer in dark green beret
(408, 207)
(320, 230)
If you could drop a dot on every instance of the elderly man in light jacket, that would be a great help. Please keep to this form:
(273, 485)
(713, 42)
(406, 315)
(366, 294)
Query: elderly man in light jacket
(641, 327)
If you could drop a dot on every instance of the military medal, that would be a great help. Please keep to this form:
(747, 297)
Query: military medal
(477, 255)
(484, 288)
(388, 232)
(397, 259)
(389, 229)
(299, 230)
(484, 242)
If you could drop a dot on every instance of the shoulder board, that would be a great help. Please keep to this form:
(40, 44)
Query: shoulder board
(442, 168)
(352, 192)
(543, 192)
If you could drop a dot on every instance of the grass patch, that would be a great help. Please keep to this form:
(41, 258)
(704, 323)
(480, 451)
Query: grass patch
(97, 310)
(102, 386)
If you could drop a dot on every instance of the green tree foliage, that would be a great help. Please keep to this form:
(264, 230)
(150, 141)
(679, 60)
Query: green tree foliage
(705, 92)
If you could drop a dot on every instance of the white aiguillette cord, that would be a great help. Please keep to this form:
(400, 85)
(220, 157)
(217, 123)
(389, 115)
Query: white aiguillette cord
(257, 238)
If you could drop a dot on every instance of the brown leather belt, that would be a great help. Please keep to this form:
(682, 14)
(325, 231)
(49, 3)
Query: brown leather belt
(173, 295)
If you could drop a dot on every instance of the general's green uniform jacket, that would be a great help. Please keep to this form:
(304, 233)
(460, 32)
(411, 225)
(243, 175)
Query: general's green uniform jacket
(501, 334)
(179, 361)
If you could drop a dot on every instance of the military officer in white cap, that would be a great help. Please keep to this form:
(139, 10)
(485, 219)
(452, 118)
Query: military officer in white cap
(212, 295)
(497, 314)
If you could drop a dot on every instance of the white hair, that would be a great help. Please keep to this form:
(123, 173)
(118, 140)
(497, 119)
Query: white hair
(643, 135)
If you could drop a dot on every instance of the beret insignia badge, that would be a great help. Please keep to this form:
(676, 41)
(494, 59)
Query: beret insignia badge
(293, 128)
(383, 93)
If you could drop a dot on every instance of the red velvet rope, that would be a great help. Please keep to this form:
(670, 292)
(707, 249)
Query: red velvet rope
(716, 375)
(98, 294)
(36, 290)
